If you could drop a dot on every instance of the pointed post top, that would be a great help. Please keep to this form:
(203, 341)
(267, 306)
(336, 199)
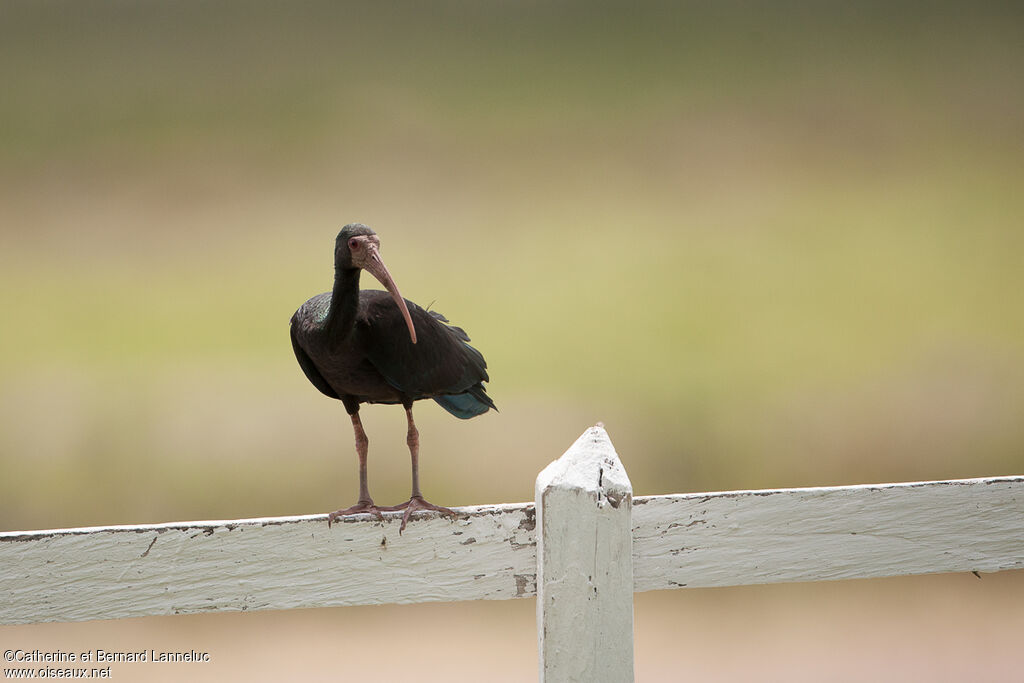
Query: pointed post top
(591, 464)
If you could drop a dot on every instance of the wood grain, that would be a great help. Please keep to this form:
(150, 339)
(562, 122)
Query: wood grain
(817, 534)
(489, 552)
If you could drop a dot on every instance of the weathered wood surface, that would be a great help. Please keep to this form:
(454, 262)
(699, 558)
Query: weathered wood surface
(489, 552)
(816, 534)
(585, 565)
(275, 563)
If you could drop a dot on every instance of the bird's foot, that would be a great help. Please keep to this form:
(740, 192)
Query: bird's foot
(417, 503)
(363, 506)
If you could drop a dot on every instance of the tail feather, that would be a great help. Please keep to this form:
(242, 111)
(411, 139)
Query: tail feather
(469, 404)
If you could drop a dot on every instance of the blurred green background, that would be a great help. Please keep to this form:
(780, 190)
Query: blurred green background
(768, 244)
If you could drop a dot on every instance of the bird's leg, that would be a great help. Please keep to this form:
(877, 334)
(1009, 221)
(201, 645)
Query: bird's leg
(365, 503)
(412, 439)
(416, 501)
(362, 448)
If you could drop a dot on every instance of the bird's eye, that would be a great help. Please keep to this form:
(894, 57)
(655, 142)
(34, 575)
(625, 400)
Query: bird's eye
(353, 243)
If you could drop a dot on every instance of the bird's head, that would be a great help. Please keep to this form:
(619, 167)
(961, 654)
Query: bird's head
(358, 247)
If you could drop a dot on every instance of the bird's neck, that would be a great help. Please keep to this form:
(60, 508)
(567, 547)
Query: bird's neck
(344, 303)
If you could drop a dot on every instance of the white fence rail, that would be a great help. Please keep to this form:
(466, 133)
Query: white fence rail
(584, 550)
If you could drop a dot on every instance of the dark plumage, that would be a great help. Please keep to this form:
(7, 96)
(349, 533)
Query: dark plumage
(375, 362)
(369, 346)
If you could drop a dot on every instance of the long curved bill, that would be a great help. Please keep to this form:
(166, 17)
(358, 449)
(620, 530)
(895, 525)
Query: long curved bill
(376, 266)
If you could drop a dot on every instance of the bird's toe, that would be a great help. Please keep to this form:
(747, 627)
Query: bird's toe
(415, 504)
(362, 507)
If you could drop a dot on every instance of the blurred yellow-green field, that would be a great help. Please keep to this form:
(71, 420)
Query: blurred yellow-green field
(768, 244)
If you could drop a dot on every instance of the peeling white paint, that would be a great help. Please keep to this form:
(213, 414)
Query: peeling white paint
(817, 534)
(699, 539)
(272, 563)
(585, 567)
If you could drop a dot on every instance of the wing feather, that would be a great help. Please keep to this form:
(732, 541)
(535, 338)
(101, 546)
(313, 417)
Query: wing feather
(306, 363)
(441, 362)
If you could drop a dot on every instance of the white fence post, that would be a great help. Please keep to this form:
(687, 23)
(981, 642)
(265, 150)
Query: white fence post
(585, 565)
